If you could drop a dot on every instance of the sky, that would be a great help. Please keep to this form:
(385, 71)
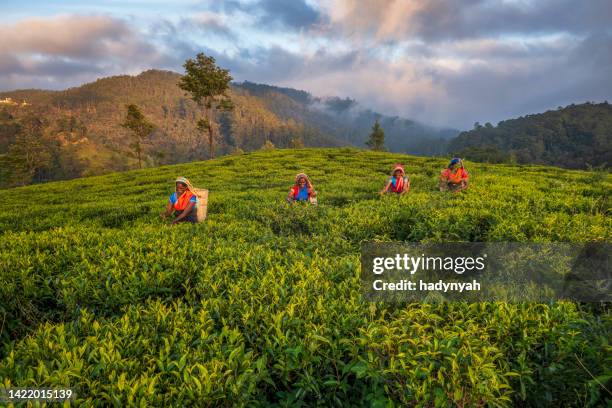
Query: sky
(442, 62)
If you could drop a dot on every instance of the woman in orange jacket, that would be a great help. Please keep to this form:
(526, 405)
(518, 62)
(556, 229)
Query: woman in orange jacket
(182, 202)
(454, 178)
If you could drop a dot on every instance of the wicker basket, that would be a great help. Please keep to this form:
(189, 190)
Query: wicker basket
(202, 206)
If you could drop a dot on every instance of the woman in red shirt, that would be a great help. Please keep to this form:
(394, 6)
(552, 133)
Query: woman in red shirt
(398, 183)
(454, 178)
(302, 190)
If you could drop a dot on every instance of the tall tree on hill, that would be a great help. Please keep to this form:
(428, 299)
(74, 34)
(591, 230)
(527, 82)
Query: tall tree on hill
(141, 129)
(207, 84)
(376, 140)
(28, 155)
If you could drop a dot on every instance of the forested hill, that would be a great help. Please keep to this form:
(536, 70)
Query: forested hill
(346, 120)
(80, 134)
(576, 136)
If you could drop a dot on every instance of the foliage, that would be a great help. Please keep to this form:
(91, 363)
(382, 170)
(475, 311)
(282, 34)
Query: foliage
(84, 124)
(27, 155)
(208, 85)
(140, 127)
(261, 305)
(575, 136)
(376, 141)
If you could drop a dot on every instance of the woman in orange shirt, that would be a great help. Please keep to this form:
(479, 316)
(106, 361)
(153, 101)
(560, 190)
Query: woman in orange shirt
(454, 178)
(182, 202)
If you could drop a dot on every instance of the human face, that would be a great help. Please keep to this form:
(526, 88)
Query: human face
(397, 173)
(181, 188)
(302, 182)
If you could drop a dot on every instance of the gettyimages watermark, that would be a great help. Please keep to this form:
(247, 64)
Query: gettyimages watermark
(486, 271)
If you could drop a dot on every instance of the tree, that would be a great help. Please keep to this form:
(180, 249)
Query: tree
(141, 129)
(376, 139)
(28, 156)
(207, 83)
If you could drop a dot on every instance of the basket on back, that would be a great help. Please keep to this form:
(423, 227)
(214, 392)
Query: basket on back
(202, 206)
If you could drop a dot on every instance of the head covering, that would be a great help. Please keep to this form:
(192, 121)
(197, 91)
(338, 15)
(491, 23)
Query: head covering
(455, 160)
(186, 182)
(299, 176)
(399, 167)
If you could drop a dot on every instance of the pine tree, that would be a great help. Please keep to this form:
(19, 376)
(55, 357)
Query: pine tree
(376, 140)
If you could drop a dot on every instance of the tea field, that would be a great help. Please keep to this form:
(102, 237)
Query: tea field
(261, 304)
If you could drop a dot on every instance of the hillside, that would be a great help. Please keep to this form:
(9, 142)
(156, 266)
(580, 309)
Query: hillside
(82, 132)
(572, 137)
(261, 305)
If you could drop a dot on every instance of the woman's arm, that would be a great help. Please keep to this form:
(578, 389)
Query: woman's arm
(185, 212)
(384, 190)
(290, 196)
(168, 210)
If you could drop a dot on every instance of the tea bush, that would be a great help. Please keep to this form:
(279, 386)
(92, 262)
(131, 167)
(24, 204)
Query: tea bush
(261, 304)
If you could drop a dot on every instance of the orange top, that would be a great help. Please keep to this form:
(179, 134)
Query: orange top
(183, 201)
(455, 177)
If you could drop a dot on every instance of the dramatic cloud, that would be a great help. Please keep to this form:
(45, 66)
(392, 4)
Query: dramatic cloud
(67, 36)
(435, 20)
(55, 51)
(445, 62)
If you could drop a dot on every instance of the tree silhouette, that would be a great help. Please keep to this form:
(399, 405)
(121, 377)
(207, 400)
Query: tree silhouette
(376, 140)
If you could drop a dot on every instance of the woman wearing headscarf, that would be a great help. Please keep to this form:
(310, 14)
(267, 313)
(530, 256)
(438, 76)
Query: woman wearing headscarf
(398, 183)
(302, 190)
(454, 178)
(182, 202)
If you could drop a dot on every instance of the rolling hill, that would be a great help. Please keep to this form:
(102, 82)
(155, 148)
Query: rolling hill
(261, 304)
(82, 128)
(576, 136)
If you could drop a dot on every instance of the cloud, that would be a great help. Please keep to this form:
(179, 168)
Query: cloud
(437, 20)
(274, 14)
(296, 14)
(82, 37)
(54, 51)
(209, 23)
(438, 61)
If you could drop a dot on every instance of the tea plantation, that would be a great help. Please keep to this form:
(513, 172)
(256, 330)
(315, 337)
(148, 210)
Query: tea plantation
(261, 304)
